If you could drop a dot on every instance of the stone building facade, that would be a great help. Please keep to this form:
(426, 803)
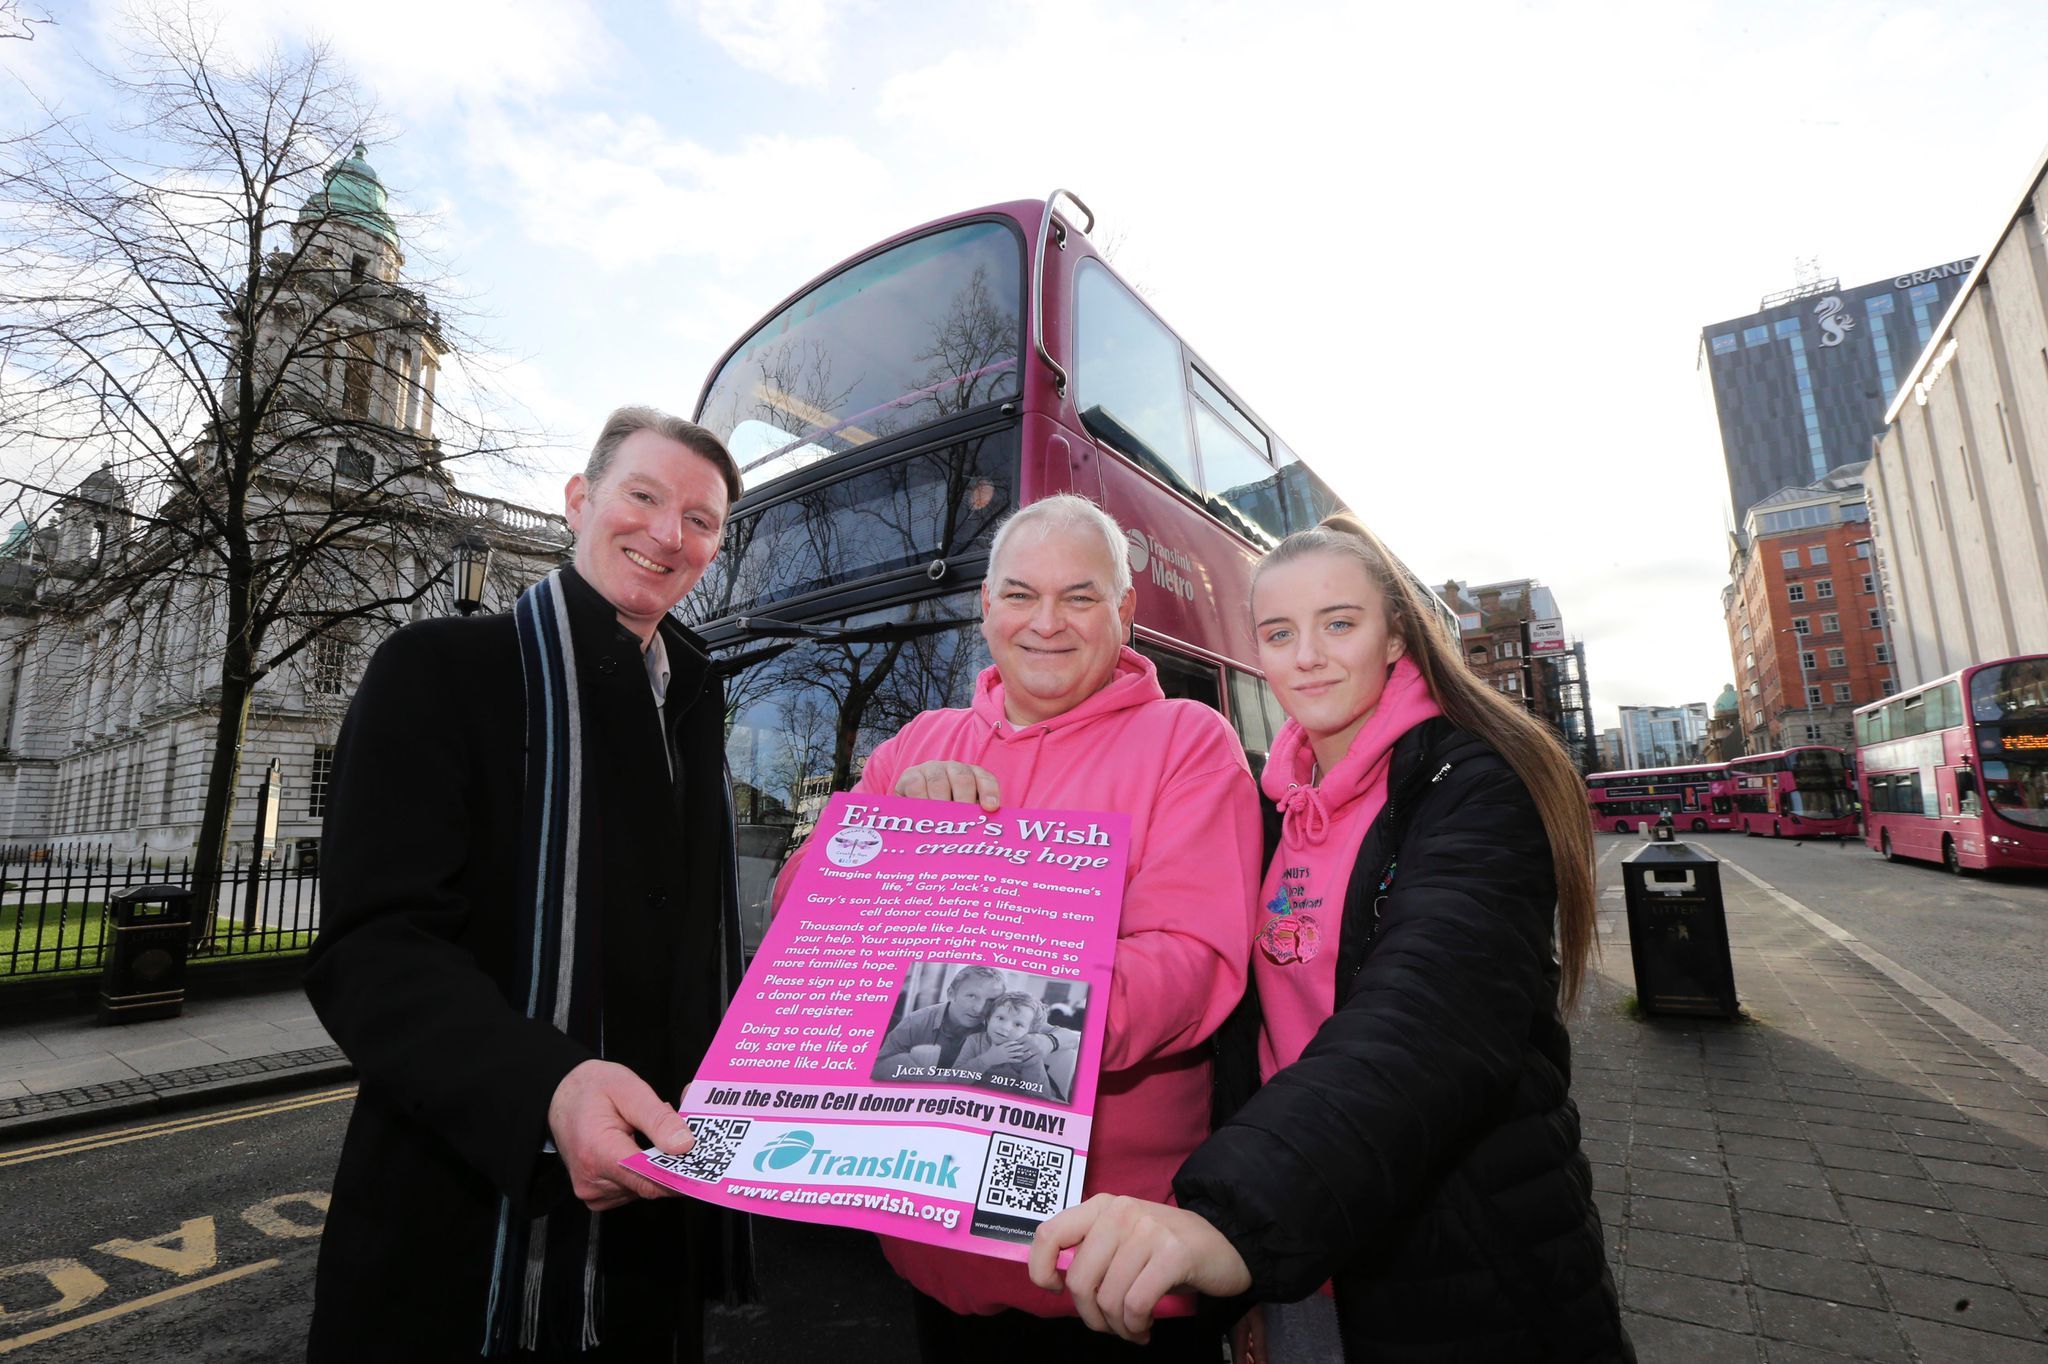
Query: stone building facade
(1959, 483)
(109, 696)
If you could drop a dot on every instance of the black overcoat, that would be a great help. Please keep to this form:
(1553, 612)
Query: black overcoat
(419, 964)
(1424, 1150)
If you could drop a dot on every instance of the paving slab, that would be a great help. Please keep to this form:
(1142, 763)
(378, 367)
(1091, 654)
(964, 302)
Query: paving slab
(1856, 1174)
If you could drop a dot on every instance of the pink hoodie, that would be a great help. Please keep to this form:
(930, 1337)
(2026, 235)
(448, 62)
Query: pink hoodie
(1177, 769)
(1294, 953)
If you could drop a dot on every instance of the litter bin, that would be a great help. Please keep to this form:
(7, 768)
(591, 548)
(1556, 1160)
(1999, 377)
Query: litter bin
(1678, 930)
(1662, 831)
(144, 971)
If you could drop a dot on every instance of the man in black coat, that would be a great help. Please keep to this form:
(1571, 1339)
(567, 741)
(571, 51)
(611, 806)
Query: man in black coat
(475, 1117)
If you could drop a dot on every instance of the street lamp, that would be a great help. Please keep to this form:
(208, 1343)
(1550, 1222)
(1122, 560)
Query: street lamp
(470, 567)
(1805, 689)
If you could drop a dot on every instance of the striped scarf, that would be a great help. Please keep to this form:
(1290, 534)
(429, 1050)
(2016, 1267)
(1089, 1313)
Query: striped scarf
(544, 1290)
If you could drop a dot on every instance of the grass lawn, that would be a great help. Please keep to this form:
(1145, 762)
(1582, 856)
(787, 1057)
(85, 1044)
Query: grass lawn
(73, 936)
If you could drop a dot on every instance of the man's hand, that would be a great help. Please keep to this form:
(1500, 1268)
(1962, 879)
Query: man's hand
(951, 781)
(596, 1112)
(1128, 1254)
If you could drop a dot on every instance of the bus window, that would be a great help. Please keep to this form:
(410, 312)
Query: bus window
(1127, 378)
(1243, 489)
(1183, 678)
(1305, 497)
(1255, 712)
(926, 330)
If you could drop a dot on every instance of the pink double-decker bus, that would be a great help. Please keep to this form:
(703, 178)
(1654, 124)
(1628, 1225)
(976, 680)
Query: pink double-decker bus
(1695, 797)
(886, 416)
(1794, 793)
(1956, 771)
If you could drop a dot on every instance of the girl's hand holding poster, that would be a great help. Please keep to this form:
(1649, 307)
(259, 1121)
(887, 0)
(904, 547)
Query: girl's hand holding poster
(914, 1049)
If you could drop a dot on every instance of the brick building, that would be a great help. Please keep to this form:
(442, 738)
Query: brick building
(1513, 637)
(1806, 624)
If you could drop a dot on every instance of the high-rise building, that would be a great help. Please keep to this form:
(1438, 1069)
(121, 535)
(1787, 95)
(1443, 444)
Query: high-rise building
(1805, 615)
(1801, 385)
(1959, 486)
(1662, 736)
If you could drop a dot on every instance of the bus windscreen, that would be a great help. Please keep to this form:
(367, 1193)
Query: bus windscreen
(905, 513)
(924, 331)
(2010, 703)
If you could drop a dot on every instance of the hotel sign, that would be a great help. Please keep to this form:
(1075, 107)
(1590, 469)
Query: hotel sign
(1949, 271)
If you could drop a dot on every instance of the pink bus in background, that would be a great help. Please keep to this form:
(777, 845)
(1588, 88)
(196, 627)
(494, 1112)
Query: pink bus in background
(1696, 798)
(1794, 793)
(1956, 771)
(886, 416)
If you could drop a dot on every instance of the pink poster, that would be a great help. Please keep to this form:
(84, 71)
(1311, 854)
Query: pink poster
(914, 1049)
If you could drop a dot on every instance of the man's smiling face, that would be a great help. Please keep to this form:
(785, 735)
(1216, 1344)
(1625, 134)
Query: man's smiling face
(1053, 625)
(648, 528)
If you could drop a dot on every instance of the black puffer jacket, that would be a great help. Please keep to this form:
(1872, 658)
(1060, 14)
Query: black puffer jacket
(1424, 1151)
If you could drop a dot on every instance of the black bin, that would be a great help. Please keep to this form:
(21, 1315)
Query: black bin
(143, 975)
(1678, 931)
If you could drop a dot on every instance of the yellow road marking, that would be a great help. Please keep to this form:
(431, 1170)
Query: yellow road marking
(123, 1309)
(170, 1127)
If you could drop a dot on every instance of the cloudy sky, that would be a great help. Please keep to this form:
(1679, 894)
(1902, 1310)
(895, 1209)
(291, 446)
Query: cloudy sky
(1459, 254)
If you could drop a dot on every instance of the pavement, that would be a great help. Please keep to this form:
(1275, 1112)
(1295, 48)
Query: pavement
(1856, 1168)
(69, 1071)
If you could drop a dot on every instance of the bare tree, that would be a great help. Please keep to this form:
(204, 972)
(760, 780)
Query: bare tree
(20, 21)
(206, 306)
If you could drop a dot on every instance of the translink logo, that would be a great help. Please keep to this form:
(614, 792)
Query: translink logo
(790, 1148)
(784, 1151)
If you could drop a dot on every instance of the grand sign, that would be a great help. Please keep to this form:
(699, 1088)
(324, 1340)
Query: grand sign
(1949, 271)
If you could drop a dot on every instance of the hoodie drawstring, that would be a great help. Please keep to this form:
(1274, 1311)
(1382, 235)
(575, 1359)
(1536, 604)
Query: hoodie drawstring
(1304, 815)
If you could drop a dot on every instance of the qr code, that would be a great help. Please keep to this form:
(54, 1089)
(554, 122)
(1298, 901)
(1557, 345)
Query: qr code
(718, 1141)
(1024, 1176)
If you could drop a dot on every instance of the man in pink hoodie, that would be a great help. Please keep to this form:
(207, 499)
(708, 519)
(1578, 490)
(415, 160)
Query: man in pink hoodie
(1070, 718)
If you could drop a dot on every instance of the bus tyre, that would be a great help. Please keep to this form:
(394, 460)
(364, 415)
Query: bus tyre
(1884, 846)
(1621, 826)
(1699, 826)
(1950, 859)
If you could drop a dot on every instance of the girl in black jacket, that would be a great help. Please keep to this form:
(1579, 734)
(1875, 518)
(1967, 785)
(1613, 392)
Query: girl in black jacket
(1413, 1146)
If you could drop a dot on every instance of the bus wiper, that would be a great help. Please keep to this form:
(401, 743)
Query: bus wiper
(790, 634)
(888, 632)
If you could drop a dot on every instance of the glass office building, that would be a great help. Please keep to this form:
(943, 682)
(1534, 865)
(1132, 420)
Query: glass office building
(1802, 385)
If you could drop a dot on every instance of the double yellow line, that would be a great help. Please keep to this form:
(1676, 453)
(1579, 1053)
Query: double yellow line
(144, 1132)
(171, 1127)
(64, 1328)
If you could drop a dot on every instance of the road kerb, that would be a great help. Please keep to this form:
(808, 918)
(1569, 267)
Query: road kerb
(2029, 1059)
(173, 1099)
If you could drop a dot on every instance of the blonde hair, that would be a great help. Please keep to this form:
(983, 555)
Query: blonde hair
(1018, 999)
(1531, 749)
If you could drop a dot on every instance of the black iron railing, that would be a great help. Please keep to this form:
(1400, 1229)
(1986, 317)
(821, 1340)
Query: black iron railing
(53, 903)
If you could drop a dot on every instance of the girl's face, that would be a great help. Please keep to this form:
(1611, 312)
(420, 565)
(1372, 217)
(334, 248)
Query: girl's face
(1009, 1022)
(1324, 644)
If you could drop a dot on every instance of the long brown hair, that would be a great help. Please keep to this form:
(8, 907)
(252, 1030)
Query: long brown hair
(1531, 749)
